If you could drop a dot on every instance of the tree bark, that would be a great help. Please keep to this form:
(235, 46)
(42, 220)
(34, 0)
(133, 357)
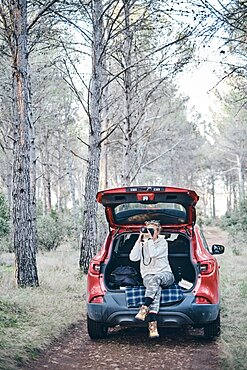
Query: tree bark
(127, 128)
(229, 195)
(89, 232)
(44, 196)
(23, 202)
(59, 180)
(213, 196)
(69, 163)
(45, 154)
(33, 172)
(48, 179)
(105, 144)
(240, 178)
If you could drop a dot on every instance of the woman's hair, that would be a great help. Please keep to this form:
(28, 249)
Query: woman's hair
(155, 223)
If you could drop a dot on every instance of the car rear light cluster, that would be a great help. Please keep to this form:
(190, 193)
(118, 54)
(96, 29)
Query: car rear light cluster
(207, 267)
(95, 268)
(98, 299)
(202, 300)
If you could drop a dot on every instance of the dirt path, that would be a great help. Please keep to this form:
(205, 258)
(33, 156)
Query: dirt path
(131, 349)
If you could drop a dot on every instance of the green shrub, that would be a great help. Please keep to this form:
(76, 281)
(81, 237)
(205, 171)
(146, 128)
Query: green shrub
(238, 217)
(236, 225)
(50, 232)
(5, 245)
(238, 238)
(4, 216)
(57, 227)
(204, 220)
(72, 224)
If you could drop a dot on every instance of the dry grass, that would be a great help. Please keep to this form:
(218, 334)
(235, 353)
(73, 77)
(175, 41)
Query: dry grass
(234, 312)
(233, 272)
(31, 318)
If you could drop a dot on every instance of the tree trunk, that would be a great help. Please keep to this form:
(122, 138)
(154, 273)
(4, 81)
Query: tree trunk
(43, 183)
(213, 197)
(235, 197)
(105, 144)
(89, 232)
(23, 202)
(240, 178)
(59, 180)
(48, 180)
(104, 166)
(229, 194)
(33, 170)
(127, 128)
(9, 188)
(69, 163)
(46, 175)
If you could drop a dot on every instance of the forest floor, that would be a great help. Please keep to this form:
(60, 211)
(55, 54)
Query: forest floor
(130, 348)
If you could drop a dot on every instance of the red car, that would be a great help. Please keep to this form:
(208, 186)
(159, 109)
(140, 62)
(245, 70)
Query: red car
(195, 269)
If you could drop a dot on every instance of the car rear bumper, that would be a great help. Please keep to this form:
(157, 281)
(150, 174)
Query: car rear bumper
(115, 312)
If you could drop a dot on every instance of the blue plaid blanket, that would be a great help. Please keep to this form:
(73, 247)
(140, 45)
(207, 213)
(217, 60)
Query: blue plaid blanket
(135, 295)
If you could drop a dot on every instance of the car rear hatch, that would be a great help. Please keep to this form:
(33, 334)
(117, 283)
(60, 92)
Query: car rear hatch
(131, 207)
(128, 208)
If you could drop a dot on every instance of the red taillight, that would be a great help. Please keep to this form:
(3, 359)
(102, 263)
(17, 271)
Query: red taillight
(98, 299)
(202, 300)
(95, 268)
(207, 267)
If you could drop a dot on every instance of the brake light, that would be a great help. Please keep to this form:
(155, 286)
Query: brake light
(207, 268)
(202, 300)
(95, 268)
(98, 299)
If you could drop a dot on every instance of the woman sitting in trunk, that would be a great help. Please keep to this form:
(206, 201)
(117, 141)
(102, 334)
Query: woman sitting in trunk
(152, 250)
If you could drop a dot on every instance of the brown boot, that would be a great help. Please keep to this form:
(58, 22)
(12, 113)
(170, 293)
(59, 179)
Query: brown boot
(152, 327)
(142, 313)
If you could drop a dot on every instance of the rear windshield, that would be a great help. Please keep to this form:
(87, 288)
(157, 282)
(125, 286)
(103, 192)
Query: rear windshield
(166, 213)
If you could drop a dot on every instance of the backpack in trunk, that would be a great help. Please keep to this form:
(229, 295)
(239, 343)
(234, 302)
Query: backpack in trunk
(125, 276)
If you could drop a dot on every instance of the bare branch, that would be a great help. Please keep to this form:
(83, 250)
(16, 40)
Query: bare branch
(83, 141)
(182, 38)
(109, 134)
(40, 13)
(78, 156)
(163, 153)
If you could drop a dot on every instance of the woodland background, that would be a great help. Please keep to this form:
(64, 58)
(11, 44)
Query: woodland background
(90, 99)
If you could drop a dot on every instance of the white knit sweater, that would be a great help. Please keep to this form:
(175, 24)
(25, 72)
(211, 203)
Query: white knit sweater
(153, 255)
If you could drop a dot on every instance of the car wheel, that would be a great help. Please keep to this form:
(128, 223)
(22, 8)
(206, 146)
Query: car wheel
(96, 330)
(212, 329)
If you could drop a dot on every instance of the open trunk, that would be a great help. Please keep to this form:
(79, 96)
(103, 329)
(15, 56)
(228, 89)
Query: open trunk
(179, 258)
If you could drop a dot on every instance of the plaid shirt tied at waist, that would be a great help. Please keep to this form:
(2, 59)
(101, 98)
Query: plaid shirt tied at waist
(135, 296)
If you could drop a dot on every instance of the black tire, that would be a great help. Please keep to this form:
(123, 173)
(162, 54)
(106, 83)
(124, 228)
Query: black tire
(212, 329)
(96, 330)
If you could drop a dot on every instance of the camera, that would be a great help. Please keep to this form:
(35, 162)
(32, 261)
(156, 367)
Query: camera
(145, 230)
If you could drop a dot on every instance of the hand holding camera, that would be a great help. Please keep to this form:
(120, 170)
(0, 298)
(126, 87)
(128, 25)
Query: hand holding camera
(147, 232)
